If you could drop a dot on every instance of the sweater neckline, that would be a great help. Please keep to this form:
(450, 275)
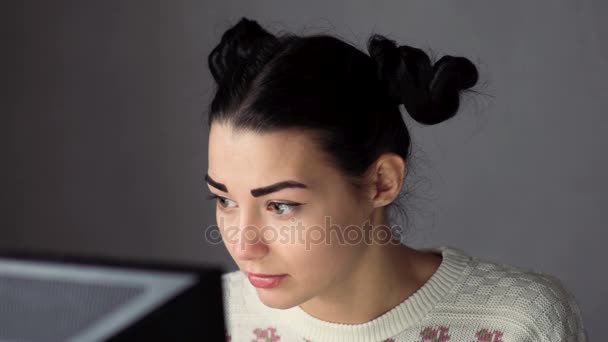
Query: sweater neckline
(404, 315)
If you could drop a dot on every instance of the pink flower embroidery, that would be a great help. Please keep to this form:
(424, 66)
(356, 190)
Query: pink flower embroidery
(266, 335)
(485, 335)
(389, 340)
(430, 334)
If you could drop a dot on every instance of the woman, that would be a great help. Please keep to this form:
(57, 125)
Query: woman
(308, 151)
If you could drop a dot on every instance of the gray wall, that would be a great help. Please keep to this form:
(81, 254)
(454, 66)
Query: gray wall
(104, 139)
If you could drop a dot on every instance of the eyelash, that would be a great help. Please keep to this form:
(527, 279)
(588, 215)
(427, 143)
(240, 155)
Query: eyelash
(292, 206)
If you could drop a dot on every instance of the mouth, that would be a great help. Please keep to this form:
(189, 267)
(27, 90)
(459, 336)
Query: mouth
(265, 281)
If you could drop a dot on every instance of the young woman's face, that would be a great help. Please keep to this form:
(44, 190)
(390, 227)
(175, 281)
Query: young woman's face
(284, 231)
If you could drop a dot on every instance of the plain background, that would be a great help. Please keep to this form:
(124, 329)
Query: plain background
(104, 137)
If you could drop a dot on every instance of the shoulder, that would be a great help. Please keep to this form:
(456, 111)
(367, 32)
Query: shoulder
(538, 302)
(240, 298)
(244, 314)
(234, 301)
(229, 278)
(233, 287)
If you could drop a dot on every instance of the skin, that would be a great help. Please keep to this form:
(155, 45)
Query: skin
(336, 282)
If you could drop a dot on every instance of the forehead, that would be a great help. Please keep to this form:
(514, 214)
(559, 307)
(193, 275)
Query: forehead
(245, 154)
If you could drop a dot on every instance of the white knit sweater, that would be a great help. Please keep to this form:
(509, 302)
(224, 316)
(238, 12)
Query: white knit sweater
(466, 299)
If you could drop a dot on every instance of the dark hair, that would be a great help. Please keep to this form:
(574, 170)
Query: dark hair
(349, 100)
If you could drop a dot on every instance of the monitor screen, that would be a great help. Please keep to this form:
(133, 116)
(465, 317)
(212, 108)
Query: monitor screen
(70, 298)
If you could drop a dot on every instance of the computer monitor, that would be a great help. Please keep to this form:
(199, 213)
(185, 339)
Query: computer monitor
(48, 296)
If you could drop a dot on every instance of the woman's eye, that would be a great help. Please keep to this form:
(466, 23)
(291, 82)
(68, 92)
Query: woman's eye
(220, 200)
(280, 208)
(284, 208)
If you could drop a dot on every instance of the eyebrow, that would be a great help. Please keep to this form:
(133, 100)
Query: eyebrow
(260, 191)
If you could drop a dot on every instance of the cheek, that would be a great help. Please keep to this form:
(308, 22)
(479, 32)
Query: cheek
(340, 208)
(323, 251)
(315, 262)
(314, 251)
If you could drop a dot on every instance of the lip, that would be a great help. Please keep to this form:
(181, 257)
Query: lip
(265, 281)
(264, 275)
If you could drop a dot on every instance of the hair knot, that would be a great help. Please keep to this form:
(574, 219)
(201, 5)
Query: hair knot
(429, 92)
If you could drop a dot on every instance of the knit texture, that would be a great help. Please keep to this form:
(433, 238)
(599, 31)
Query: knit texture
(466, 299)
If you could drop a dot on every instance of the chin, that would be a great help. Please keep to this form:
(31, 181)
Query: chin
(276, 299)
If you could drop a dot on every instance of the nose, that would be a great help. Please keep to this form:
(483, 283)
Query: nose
(250, 244)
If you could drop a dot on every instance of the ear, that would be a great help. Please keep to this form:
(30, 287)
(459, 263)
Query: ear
(386, 179)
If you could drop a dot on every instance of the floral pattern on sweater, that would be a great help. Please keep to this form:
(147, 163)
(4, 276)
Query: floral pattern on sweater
(438, 334)
(485, 335)
(266, 335)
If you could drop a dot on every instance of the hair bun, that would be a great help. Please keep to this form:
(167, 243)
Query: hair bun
(430, 93)
(244, 43)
